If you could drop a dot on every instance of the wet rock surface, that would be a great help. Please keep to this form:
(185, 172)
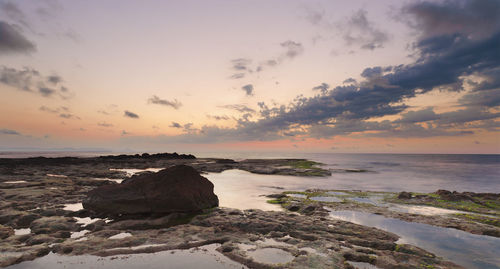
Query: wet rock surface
(481, 216)
(176, 189)
(304, 238)
(304, 241)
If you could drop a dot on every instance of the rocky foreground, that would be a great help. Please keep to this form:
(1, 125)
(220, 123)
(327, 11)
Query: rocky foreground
(138, 219)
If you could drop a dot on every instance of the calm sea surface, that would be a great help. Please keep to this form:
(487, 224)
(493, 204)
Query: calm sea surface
(385, 172)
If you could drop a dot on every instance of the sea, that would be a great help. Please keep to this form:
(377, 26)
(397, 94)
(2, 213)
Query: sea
(373, 172)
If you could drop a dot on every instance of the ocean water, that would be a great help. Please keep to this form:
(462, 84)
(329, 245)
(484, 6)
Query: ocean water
(399, 172)
(384, 172)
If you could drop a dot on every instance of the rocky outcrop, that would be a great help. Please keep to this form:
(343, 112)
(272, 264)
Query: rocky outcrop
(176, 189)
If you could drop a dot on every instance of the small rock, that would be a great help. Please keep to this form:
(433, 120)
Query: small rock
(404, 195)
(293, 207)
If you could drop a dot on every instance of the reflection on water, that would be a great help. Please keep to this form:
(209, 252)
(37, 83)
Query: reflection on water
(22, 231)
(362, 265)
(327, 199)
(336, 193)
(130, 171)
(373, 200)
(79, 234)
(190, 258)
(469, 250)
(120, 236)
(424, 210)
(73, 207)
(109, 179)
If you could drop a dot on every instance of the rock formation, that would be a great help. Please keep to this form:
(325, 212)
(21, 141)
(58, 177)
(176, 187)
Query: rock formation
(176, 189)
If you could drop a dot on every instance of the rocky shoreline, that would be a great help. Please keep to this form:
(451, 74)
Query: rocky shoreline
(40, 213)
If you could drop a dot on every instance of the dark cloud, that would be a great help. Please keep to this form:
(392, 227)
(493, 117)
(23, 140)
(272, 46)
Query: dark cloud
(323, 88)
(30, 80)
(130, 115)
(466, 115)
(474, 18)
(9, 132)
(349, 81)
(54, 79)
(248, 89)
(422, 115)
(12, 41)
(239, 107)
(46, 92)
(358, 30)
(175, 125)
(156, 100)
(488, 98)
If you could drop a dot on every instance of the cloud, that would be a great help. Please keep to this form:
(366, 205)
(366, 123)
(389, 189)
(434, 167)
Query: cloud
(248, 89)
(293, 49)
(130, 115)
(14, 13)
(215, 117)
(54, 79)
(444, 61)
(474, 18)
(350, 81)
(30, 80)
(237, 76)
(241, 64)
(358, 30)
(175, 125)
(68, 116)
(64, 112)
(422, 115)
(488, 98)
(46, 92)
(12, 41)
(104, 124)
(239, 107)
(49, 110)
(9, 132)
(156, 100)
(323, 88)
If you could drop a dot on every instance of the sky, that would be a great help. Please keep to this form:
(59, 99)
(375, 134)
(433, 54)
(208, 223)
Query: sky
(361, 76)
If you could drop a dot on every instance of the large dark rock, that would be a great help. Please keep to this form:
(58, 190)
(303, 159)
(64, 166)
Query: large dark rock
(176, 189)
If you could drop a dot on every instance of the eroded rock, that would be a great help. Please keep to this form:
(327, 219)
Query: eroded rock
(176, 189)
